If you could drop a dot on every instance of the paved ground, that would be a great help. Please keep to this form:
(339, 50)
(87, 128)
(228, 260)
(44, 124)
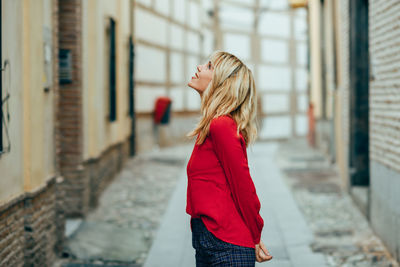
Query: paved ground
(341, 231)
(141, 219)
(121, 230)
(285, 233)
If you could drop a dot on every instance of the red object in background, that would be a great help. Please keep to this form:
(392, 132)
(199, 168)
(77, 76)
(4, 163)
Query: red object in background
(161, 107)
(311, 125)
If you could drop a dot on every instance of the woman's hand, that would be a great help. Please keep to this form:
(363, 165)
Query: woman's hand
(262, 254)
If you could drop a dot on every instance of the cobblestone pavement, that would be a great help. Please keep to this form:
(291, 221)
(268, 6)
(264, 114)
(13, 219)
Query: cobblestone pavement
(341, 231)
(132, 207)
(133, 204)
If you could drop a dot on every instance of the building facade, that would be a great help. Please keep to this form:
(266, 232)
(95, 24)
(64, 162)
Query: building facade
(29, 217)
(173, 35)
(66, 121)
(271, 38)
(355, 89)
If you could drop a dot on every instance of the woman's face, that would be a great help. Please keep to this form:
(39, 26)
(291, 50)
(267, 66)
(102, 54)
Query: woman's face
(202, 77)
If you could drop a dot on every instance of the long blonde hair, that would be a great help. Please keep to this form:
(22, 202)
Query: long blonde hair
(232, 91)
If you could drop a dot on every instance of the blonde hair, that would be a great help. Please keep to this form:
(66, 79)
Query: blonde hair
(232, 91)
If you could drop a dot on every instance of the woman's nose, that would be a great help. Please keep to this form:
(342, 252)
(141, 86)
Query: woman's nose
(198, 68)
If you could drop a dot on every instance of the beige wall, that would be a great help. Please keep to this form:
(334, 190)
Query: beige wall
(99, 132)
(337, 97)
(315, 56)
(342, 93)
(30, 161)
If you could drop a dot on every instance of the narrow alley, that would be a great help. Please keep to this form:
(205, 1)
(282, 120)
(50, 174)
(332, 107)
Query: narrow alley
(309, 220)
(101, 102)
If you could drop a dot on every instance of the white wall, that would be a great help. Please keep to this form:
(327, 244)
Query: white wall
(277, 52)
(177, 35)
(170, 40)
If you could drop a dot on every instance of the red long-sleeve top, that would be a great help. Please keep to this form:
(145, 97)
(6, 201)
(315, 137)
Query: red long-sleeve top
(220, 189)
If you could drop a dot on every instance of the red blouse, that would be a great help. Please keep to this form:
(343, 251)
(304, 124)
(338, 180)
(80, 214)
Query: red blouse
(220, 189)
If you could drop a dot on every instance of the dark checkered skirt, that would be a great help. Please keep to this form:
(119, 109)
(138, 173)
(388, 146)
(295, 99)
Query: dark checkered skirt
(211, 251)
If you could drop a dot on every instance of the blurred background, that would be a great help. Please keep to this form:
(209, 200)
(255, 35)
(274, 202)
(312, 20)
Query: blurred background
(91, 89)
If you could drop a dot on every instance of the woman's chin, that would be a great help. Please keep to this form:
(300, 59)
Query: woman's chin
(194, 87)
(190, 84)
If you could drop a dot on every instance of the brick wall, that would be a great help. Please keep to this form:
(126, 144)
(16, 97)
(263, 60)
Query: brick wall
(12, 235)
(59, 192)
(69, 112)
(384, 102)
(39, 218)
(28, 229)
(103, 169)
(385, 85)
(70, 98)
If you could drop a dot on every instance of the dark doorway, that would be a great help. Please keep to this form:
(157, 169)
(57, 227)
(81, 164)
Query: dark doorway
(1, 79)
(359, 87)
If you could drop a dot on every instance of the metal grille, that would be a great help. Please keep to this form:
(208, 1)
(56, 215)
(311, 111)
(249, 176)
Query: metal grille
(65, 69)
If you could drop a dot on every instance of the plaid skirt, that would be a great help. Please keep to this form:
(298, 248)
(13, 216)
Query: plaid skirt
(212, 251)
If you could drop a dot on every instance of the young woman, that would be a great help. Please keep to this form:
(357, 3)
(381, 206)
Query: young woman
(221, 197)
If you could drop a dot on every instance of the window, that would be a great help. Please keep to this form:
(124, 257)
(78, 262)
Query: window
(112, 71)
(65, 66)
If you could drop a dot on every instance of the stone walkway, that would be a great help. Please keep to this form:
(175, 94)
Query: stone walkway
(341, 231)
(285, 233)
(141, 219)
(121, 230)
